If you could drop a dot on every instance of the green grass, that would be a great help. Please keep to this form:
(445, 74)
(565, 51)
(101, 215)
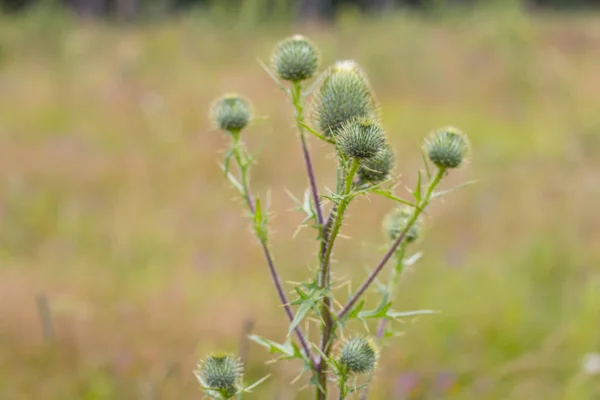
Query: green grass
(114, 207)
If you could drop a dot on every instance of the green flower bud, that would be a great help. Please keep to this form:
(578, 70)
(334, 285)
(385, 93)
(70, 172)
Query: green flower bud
(344, 94)
(231, 113)
(221, 375)
(447, 147)
(395, 222)
(361, 138)
(359, 355)
(295, 59)
(378, 168)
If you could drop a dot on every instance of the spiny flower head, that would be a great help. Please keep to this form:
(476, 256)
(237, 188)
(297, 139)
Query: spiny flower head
(378, 168)
(395, 222)
(361, 138)
(295, 59)
(221, 374)
(447, 147)
(231, 113)
(344, 94)
(359, 355)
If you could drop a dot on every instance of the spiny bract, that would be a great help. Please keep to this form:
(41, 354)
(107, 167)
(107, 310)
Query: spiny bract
(222, 374)
(361, 138)
(344, 94)
(378, 168)
(231, 113)
(447, 147)
(295, 59)
(358, 355)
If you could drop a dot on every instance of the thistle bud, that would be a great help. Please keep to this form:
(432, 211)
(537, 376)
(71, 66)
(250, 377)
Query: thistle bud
(447, 147)
(344, 94)
(361, 138)
(231, 113)
(295, 59)
(395, 223)
(359, 355)
(378, 168)
(220, 375)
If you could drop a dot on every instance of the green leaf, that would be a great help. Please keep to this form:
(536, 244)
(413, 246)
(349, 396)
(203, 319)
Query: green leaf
(389, 195)
(353, 313)
(426, 163)
(413, 259)
(316, 134)
(417, 192)
(274, 347)
(236, 184)
(302, 311)
(406, 314)
(380, 312)
(260, 221)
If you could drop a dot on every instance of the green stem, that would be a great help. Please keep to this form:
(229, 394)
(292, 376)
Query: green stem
(342, 207)
(343, 385)
(328, 320)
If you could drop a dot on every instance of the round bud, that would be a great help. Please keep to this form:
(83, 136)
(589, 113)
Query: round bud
(295, 59)
(395, 222)
(378, 168)
(358, 355)
(344, 94)
(447, 147)
(231, 113)
(361, 138)
(222, 374)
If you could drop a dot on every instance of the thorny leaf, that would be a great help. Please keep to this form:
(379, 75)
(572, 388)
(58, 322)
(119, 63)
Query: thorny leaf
(248, 389)
(413, 259)
(442, 193)
(417, 191)
(406, 314)
(276, 348)
(236, 184)
(391, 196)
(379, 312)
(273, 77)
(317, 134)
(426, 163)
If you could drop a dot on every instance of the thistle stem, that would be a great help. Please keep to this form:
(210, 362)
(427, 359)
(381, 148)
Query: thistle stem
(328, 321)
(416, 212)
(243, 165)
(296, 94)
(343, 385)
(392, 285)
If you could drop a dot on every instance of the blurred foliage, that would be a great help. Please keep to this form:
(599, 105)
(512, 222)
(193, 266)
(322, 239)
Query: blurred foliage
(261, 9)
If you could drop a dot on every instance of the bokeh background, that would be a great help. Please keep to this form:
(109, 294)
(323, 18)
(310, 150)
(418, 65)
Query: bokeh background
(125, 257)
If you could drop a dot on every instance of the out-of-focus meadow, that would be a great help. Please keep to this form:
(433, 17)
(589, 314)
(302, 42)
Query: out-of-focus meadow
(114, 209)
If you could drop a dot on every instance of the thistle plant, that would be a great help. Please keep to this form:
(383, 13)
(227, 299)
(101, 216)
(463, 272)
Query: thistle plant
(343, 114)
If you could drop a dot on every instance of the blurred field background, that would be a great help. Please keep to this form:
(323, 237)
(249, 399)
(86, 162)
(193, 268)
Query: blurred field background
(114, 210)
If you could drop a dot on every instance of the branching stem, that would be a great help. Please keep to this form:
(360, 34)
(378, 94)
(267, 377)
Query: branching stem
(243, 165)
(416, 212)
